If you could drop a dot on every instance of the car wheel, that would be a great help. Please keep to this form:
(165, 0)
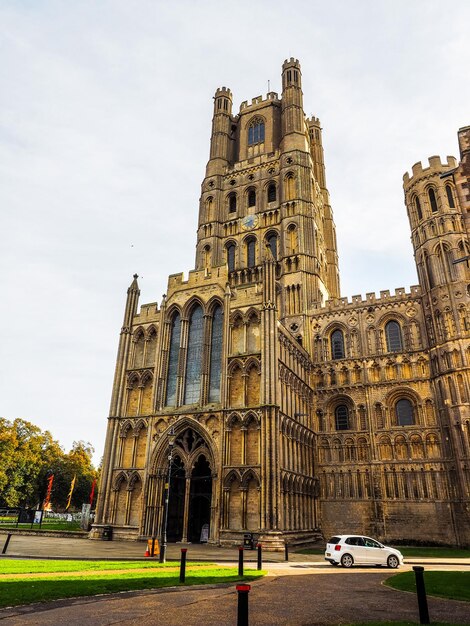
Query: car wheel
(393, 561)
(347, 560)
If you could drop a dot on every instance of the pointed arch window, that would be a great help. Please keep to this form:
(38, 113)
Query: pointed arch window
(232, 203)
(404, 412)
(251, 252)
(271, 241)
(272, 192)
(450, 197)
(192, 389)
(337, 344)
(256, 132)
(171, 379)
(216, 354)
(393, 336)
(342, 417)
(251, 197)
(432, 199)
(418, 208)
(231, 256)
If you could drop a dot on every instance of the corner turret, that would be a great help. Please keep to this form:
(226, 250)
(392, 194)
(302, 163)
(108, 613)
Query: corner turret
(293, 117)
(221, 141)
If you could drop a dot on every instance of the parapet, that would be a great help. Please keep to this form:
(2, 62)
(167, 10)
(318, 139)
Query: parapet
(435, 164)
(313, 121)
(223, 91)
(385, 298)
(464, 140)
(270, 96)
(290, 63)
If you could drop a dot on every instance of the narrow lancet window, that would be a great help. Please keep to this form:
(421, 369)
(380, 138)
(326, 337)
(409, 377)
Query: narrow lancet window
(432, 199)
(450, 197)
(393, 336)
(171, 381)
(216, 355)
(194, 357)
(337, 345)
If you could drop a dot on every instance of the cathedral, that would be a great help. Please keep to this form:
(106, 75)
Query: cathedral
(265, 401)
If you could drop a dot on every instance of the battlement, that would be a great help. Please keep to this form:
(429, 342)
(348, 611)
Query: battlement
(223, 91)
(290, 63)
(313, 121)
(435, 164)
(270, 96)
(371, 298)
(196, 278)
(148, 312)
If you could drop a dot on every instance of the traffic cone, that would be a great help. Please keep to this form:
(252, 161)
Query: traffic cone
(147, 553)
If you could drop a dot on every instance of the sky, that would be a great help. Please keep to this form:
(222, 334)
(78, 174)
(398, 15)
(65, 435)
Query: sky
(105, 121)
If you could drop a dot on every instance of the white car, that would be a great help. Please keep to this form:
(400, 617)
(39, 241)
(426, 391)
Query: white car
(349, 550)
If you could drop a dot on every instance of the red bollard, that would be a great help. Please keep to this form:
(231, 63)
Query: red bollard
(243, 591)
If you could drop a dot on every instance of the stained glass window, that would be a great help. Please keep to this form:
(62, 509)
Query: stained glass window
(337, 345)
(404, 411)
(216, 355)
(256, 132)
(171, 380)
(272, 243)
(231, 257)
(272, 193)
(194, 357)
(393, 335)
(251, 252)
(342, 417)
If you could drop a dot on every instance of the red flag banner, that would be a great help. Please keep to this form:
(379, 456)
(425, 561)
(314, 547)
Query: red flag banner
(47, 499)
(92, 493)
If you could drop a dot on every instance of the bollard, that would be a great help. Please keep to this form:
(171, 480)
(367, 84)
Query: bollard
(240, 560)
(286, 550)
(183, 565)
(6, 543)
(260, 556)
(421, 593)
(243, 591)
(153, 547)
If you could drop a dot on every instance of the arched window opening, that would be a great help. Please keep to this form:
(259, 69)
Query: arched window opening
(194, 357)
(271, 241)
(230, 256)
(256, 132)
(418, 208)
(393, 336)
(216, 354)
(292, 240)
(337, 345)
(251, 252)
(171, 379)
(450, 197)
(289, 182)
(432, 199)
(342, 417)
(251, 197)
(404, 412)
(232, 203)
(272, 193)
(207, 256)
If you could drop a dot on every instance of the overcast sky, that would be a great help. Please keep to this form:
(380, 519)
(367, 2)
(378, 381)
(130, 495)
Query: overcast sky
(105, 117)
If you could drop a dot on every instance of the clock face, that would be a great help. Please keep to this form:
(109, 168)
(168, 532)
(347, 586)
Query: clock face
(249, 222)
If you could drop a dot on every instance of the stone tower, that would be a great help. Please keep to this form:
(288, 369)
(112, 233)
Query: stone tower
(277, 406)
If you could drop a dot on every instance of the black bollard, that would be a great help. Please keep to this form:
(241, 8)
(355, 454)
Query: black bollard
(286, 550)
(421, 593)
(240, 560)
(6, 543)
(153, 547)
(183, 565)
(243, 591)
(260, 556)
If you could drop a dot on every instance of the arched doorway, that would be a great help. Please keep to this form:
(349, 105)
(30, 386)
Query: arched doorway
(190, 498)
(200, 499)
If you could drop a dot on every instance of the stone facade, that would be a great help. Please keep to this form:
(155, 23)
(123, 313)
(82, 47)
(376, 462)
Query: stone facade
(295, 411)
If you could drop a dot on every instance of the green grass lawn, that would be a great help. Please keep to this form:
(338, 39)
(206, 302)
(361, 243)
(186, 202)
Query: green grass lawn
(64, 584)
(46, 525)
(452, 585)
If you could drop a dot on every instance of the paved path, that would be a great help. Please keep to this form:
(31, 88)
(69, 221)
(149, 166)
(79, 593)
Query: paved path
(304, 592)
